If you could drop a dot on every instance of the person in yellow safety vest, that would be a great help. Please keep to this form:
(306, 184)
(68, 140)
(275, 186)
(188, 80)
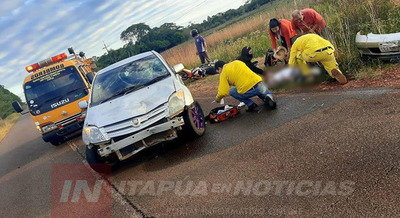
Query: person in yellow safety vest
(314, 48)
(238, 81)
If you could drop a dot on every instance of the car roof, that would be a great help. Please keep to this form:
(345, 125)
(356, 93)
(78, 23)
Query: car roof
(125, 61)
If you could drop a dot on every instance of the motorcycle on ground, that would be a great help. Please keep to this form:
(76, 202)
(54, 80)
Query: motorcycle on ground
(198, 72)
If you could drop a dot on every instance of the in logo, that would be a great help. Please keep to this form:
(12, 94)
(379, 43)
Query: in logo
(76, 190)
(81, 186)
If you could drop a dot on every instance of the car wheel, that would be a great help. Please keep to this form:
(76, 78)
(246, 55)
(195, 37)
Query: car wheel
(96, 162)
(195, 124)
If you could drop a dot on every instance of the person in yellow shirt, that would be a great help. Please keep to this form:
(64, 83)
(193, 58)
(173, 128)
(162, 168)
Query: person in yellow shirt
(238, 81)
(314, 48)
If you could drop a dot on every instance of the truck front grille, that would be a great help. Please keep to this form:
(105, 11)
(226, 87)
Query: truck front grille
(68, 120)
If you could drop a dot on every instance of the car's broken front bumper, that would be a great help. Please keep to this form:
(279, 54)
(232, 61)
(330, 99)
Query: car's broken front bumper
(382, 46)
(143, 139)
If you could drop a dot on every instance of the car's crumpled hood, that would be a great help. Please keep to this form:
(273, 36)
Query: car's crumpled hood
(130, 105)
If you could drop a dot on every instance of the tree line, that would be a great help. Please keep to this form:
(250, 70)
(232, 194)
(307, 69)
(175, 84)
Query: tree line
(140, 37)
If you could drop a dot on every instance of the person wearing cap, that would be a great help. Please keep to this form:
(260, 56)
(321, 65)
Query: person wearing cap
(282, 30)
(201, 47)
(246, 57)
(314, 48)
(238, 81)
(308, 21)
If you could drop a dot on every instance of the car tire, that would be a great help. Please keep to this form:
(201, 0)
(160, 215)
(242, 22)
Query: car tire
(195, 124)
(96, 162)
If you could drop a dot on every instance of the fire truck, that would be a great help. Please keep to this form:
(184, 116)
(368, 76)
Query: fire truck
(52, 91)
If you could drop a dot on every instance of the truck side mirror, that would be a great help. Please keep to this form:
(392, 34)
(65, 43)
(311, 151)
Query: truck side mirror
(179, 68)
(83, 104)
(17, 107)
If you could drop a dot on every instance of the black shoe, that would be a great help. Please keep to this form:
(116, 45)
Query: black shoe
(271, 104)
(252, 108)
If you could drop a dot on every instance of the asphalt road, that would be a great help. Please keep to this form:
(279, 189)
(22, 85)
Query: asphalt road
(319, 154)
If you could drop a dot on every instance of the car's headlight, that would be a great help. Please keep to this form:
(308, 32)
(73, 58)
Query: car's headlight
(94, 135)
(49, 127)
(176, 103)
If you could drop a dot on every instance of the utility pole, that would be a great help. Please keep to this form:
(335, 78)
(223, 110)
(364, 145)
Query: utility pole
(105, 47)
(108, 52)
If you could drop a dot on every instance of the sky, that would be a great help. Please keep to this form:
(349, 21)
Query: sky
(33, 30)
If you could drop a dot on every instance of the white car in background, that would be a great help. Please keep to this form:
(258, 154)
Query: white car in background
(134, 104)
(382, 46)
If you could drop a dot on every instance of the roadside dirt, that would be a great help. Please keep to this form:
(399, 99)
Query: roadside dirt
(386, 77)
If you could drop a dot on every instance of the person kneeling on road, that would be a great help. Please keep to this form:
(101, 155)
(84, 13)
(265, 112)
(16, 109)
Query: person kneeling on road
(238, 81)
(313, 48)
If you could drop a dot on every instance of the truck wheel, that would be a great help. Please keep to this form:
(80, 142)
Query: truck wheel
(96, 162)
(194, 120)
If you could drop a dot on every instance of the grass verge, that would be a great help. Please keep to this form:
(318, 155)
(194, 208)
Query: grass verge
(7, 124)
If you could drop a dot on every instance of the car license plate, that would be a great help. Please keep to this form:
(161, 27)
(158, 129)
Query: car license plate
(389, 47)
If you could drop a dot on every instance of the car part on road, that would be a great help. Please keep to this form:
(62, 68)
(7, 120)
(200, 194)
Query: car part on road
(382, 46)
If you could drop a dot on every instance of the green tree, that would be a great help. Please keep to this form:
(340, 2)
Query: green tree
(135, 32)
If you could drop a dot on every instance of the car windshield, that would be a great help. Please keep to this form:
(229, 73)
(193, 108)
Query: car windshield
(42, 92)
(128, 77)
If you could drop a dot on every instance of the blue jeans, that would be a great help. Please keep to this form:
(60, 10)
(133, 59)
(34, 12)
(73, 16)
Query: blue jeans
(259, 90)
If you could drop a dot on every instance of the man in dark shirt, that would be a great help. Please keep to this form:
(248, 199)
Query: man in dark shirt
(201, 47)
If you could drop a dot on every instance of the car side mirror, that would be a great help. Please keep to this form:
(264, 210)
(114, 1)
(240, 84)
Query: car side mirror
(179, 68)
(83, 104)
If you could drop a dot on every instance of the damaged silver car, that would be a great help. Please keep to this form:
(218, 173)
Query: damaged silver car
(134, 104)
(382, 46)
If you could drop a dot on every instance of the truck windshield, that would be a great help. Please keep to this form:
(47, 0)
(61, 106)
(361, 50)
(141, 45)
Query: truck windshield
(54, 90)
(129, 77)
